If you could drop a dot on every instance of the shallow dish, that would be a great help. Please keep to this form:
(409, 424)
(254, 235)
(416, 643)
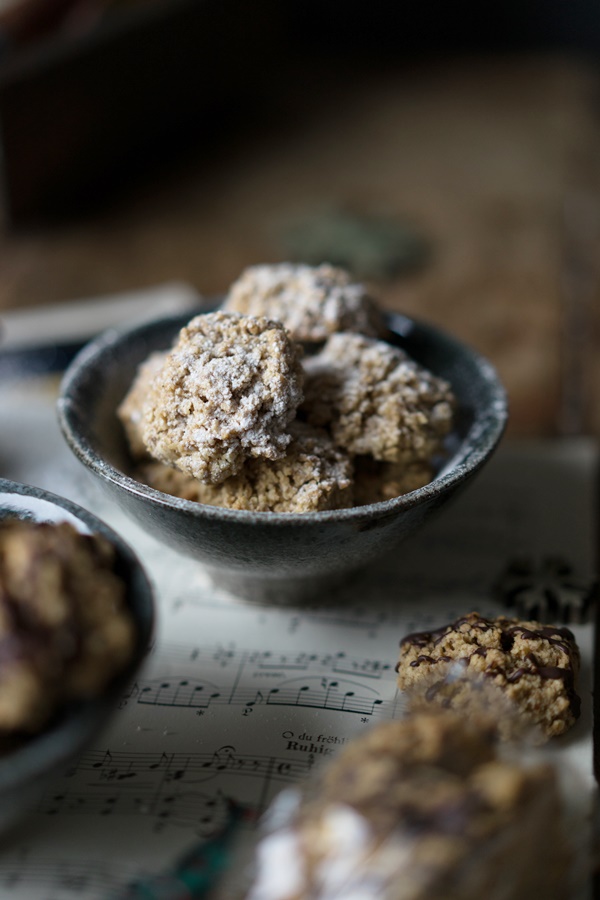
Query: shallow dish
(26, 770)
(275, 556)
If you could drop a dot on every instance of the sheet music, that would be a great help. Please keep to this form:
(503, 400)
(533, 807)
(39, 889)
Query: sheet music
(238, 700)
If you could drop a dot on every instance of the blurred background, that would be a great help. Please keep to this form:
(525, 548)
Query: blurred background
(446, 153)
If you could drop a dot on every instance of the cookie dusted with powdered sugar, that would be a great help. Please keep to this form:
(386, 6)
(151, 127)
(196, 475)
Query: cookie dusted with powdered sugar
(131, 410)
(375, 400)
(413, 810)
(226, 393)
(311, 301)
(314, 475)
(533, 667)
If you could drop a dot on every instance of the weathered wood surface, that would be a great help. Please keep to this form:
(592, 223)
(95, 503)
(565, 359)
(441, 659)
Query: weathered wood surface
(495, 160)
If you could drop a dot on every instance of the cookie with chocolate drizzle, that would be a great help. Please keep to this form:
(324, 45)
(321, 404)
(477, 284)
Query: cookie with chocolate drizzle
(527, 669)
(415, 809)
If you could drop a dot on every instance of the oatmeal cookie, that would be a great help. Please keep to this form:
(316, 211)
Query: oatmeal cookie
(65, 630)
(376, 481)
(533, 667)
(313, 475)
(131, 409)
(311, 301)
(417, 809)
(376, 400)
(226, 393)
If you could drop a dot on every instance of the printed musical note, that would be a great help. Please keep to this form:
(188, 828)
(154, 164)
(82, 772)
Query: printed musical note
(163, 762)
(216, 658)
(221, 758)
(319, 691)
(106, 760)
(239, 700)
(129, 695)
(63, 878)
(224, 655)
(182, 692)
(257, 699)
(164, 786)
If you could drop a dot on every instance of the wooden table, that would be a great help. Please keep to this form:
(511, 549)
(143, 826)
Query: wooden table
(493, 159)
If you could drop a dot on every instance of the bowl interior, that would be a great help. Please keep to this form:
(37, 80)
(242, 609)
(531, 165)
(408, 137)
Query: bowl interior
(23, 769)
(101, 375)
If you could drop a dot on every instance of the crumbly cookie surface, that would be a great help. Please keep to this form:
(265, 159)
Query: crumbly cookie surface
(376, 400)
(226, 393)
(311, 301)
(223, 400)
(314, 475)
(377, 481)
(417, 809)
(65, 630)
(131, 409)
(534, 666)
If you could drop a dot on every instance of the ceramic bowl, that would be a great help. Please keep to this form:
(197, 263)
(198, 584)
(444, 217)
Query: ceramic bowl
(275, 556)
(26, 770)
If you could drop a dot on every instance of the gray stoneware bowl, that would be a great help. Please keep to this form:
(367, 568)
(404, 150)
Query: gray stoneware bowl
(275, 556)
(27, 770)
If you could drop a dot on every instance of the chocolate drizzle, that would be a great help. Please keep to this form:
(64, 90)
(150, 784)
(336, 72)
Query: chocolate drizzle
(423, 658)
(559, 637)
(510, 630)
(424, 638)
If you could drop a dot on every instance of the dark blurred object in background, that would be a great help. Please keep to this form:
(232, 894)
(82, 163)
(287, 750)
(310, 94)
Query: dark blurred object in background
(435, 26)
(96, 92)
(24, 22)
(84, 109)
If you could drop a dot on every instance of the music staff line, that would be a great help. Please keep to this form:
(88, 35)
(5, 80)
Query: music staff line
(120, 765)
(171, 788)
(64, 877)
(221, 656)
(319, 693)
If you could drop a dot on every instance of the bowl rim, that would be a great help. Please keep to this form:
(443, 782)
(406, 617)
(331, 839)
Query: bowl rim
(483, 435)
(44, 752)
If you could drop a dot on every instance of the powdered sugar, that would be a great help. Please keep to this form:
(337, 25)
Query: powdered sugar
(226, 392)
(312, 302)
(377, 401)
(221, 417)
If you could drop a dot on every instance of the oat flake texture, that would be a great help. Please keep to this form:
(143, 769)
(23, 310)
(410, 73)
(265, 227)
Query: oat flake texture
(311, 301)
(131, 409)
(226, 393)
(377, 401)
(313, 475)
